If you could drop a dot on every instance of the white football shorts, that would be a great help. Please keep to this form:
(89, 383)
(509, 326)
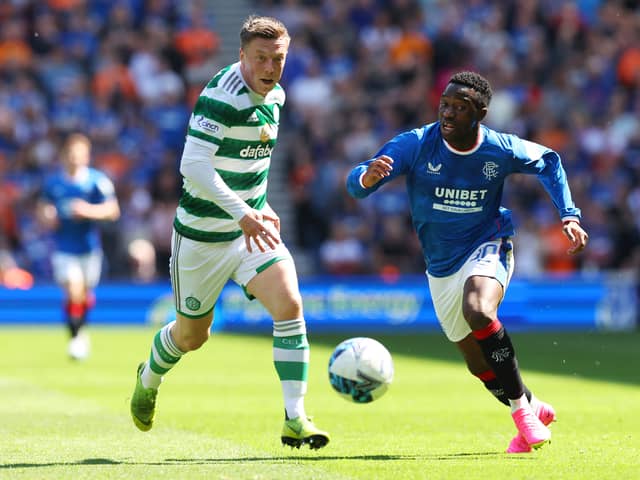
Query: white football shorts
(72, 268)
(491, 259)
(199, 270)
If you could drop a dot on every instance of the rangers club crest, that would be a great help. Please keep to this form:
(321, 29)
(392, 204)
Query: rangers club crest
(490, 170)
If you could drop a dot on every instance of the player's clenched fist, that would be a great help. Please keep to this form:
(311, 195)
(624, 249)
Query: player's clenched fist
(378, 169)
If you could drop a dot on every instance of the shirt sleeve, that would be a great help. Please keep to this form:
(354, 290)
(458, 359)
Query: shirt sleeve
(402, 149)
(546, 163)
(196, 166)
(105, 188)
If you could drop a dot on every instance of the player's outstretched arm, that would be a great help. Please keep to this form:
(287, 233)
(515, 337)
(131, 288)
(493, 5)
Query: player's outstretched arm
(107, 210)
(576, 235)
(377, 170)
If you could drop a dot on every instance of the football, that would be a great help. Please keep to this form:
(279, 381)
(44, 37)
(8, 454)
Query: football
(361, 369)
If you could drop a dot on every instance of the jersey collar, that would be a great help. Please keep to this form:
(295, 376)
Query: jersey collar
(79, 176)
(479, 141)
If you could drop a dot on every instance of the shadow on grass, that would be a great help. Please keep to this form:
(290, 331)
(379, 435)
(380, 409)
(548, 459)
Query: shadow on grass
(270, 459)
(86, 461)
(611, 357)
(368, 458)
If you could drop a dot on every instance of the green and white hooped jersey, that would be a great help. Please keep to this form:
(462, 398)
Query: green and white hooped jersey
(242, 128)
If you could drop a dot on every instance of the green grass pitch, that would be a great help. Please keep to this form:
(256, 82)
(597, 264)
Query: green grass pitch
(220, 412)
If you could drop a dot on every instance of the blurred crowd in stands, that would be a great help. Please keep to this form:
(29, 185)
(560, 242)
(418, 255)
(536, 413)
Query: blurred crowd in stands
(564, 73)
(126, 72)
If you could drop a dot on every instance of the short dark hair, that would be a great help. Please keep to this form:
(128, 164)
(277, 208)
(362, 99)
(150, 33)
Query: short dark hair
(256, 26)
(476, 82)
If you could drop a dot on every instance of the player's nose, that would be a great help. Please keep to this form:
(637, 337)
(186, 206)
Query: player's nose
(447, 112)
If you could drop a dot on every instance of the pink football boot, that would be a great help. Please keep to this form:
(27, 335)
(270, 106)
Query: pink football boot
(546, 414)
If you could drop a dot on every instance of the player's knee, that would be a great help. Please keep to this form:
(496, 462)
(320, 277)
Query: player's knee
(293, 308)
(478, 314)
(288, 307)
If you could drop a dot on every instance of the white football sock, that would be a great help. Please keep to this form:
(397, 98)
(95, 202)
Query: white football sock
(519, 403)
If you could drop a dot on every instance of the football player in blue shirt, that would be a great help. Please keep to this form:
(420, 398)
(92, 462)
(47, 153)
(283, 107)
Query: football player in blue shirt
(74, 201)
(455, 171)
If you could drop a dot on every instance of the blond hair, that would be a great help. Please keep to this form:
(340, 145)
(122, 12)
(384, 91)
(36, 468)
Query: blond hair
(257, 26)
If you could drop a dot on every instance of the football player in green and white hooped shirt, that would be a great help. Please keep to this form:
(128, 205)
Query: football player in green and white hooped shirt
(225, 229)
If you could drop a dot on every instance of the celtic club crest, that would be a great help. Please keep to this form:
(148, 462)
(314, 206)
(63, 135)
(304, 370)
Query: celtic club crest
(192, 303)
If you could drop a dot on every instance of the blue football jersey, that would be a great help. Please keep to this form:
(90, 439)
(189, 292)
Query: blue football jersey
(72, 235)
(455, 196)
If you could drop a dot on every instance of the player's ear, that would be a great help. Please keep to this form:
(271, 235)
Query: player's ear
(482, 112)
